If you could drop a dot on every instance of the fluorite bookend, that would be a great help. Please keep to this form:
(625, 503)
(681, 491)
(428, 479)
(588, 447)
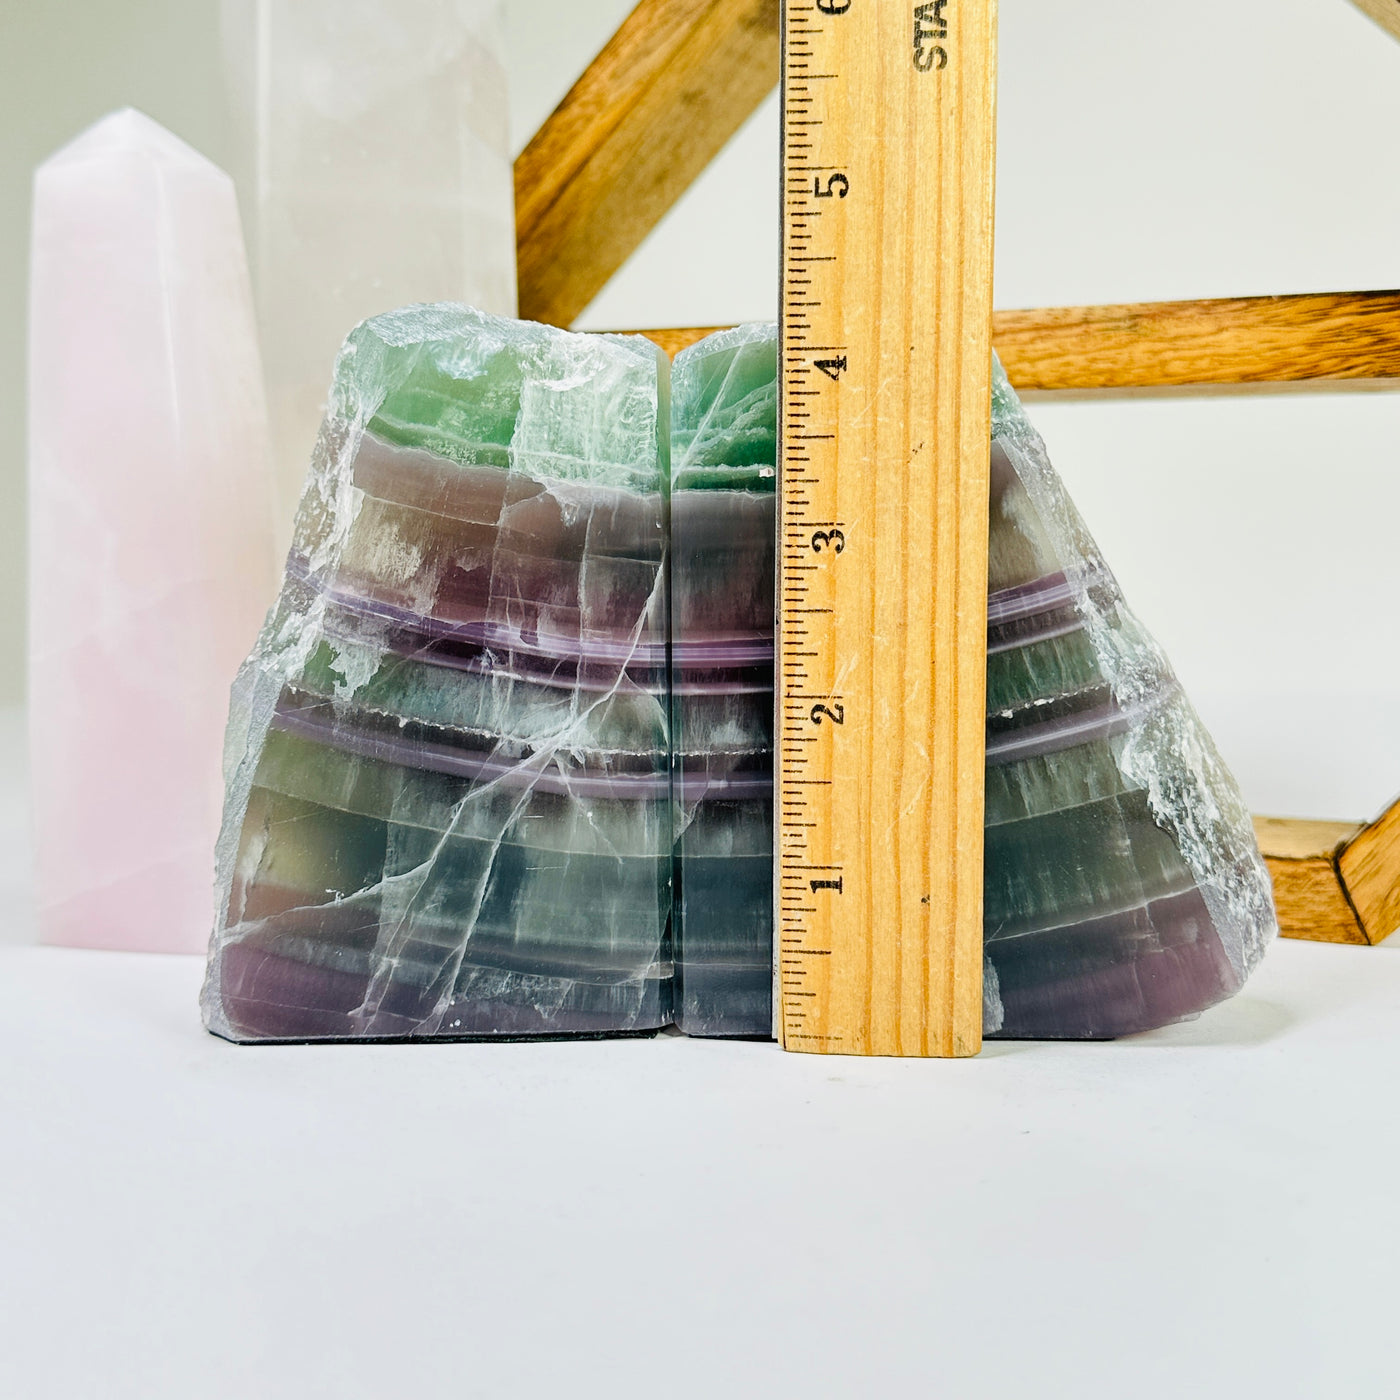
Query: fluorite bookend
(150, 529)
(1123, 889)
(448, 808)
(376, 171)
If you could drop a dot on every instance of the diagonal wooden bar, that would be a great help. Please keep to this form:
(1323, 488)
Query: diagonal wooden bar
(1386, 13)
(1369, 865)
(674, 83)
(1334, 882)
(1333, 340)
(1309, 892)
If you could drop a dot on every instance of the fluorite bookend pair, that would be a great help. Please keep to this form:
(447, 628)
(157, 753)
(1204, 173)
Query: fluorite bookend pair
(501, 763)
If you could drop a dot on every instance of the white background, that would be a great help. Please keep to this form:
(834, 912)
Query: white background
(1206, 1211)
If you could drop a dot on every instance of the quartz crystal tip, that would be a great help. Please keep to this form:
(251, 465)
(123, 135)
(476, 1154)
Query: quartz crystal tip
(128, 130)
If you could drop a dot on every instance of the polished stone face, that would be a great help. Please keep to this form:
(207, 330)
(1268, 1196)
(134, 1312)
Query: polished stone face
(724, 418)
(487, 777)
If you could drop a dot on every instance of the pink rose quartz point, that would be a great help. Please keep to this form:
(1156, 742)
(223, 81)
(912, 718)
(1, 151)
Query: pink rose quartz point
(151, 558)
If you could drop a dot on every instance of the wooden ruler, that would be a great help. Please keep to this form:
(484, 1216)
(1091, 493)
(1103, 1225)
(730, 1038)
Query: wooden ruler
(888, 116)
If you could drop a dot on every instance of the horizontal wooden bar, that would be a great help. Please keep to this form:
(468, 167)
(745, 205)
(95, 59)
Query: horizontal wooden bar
(1386, 13)
(659, 102)
(1236, 341)
(1329, 339)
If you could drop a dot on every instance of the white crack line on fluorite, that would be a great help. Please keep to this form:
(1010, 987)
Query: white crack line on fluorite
(384, 958)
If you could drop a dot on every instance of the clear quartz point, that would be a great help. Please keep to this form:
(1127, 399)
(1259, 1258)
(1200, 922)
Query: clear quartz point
(375, 171)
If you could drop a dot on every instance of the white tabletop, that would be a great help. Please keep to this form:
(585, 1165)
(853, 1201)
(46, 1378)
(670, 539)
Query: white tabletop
(1204, 1211)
